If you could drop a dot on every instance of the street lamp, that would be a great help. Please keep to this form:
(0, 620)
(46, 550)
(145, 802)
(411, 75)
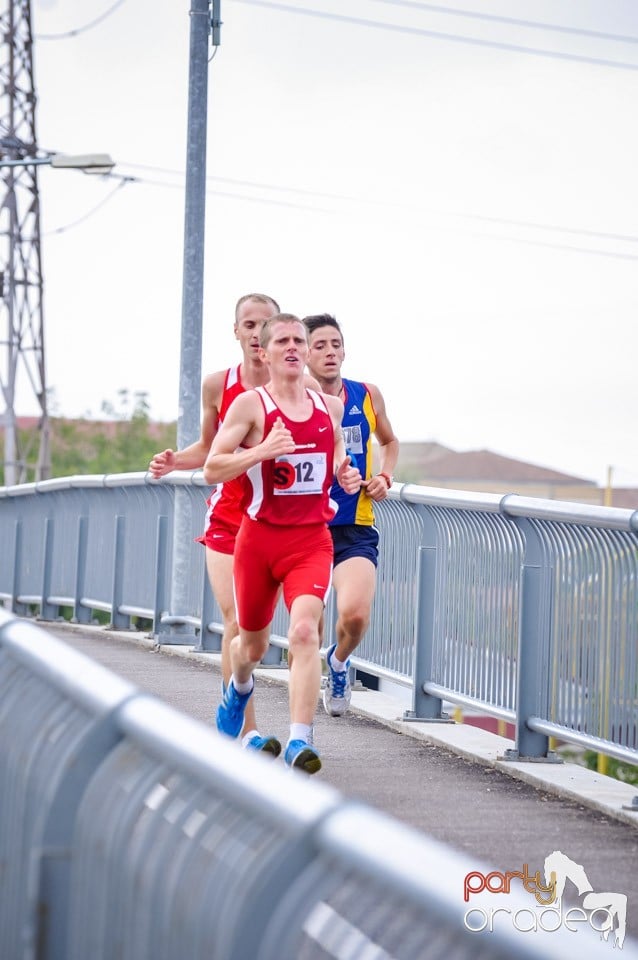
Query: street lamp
(87, 162)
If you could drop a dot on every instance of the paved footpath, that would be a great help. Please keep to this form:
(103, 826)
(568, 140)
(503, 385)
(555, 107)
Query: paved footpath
(445, 780)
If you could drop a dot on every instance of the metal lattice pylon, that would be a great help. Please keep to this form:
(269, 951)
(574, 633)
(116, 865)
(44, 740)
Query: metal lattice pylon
(21, 316)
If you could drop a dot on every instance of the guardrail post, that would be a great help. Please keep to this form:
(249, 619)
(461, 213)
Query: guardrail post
(273, 657)
(425, 706)
(210, 641)
(16, 606)
(179, 631)
(81, 614)
(161, 579)
(533, 644)
(47, 610)
(118, 620)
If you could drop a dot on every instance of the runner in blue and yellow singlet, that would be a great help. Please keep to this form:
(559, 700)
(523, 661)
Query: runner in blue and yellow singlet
(354, 534)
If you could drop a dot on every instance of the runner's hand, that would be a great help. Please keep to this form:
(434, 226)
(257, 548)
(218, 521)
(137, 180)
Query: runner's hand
(348, 477)
(376, 488)
(278, 442)
(161, 464)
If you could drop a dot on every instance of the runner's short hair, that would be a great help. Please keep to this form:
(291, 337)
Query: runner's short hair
(266, 331)
(322, 320)
(258, 298)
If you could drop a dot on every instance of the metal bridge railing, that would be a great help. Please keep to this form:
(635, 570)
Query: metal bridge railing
(525, 609)
(130, 830)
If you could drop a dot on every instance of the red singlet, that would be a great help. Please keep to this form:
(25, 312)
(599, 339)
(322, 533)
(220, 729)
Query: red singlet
(224, 513)
(284, 538)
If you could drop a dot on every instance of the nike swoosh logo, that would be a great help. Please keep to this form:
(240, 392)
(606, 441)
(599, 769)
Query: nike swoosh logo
(321, 429)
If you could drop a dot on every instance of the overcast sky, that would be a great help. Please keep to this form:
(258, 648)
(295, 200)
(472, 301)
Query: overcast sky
(467, 210)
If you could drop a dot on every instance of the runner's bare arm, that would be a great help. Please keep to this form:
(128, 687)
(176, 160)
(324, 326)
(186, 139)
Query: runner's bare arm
(240, 443)
(377, 486)
(194, 456)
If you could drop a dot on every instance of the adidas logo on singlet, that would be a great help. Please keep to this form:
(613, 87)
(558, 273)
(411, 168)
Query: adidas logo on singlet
(354, 409)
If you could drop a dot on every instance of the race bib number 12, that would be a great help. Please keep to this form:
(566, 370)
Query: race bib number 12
(299, 473)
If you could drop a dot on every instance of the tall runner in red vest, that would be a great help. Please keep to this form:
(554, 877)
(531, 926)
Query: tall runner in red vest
(284, 441)
(224, 514)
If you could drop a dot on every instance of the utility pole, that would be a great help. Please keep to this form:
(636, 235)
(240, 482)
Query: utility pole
(205, 20)
(21, 316)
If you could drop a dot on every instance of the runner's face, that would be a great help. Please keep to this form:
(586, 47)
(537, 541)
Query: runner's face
(287, 349)
(326, 353)
(250, 320)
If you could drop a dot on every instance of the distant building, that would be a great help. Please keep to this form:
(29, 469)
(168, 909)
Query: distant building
(626, 497)
(432, 464)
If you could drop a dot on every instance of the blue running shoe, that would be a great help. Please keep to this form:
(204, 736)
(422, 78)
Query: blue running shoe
(301, 756)
(337, 691)
(230, 712)
(269, 745)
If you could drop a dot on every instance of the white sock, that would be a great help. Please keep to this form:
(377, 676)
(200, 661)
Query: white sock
(247, 737)
(337, 664)
(299, 731)
(242, 688)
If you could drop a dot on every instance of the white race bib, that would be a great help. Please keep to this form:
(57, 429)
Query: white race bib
(353, 439)
(299, 473)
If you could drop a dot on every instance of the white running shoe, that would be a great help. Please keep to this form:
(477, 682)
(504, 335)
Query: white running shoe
(337, 692)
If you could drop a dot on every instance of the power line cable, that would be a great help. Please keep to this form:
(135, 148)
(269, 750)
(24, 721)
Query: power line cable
(482, 218)
(554, 228)
(78, 30)
(124, 180)
(68, 226)
(613, 254)
(244, 183)
(512, 21)
(479, 218)
(574, 248)
(438, 35)
(239, 196)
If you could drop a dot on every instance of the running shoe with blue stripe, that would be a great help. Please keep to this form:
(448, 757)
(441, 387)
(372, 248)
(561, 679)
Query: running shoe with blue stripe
(269, 745)
(230, 712)
(337, 691)
(300, 755)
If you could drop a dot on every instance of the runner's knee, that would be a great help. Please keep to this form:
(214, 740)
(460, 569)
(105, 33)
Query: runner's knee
(355, 622)
(304, 633)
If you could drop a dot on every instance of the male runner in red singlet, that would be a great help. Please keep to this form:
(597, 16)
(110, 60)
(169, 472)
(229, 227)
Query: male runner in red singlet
(284, 441)
(224, 514)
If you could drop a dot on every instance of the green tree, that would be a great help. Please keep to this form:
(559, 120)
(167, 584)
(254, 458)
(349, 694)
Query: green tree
(123, 441)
